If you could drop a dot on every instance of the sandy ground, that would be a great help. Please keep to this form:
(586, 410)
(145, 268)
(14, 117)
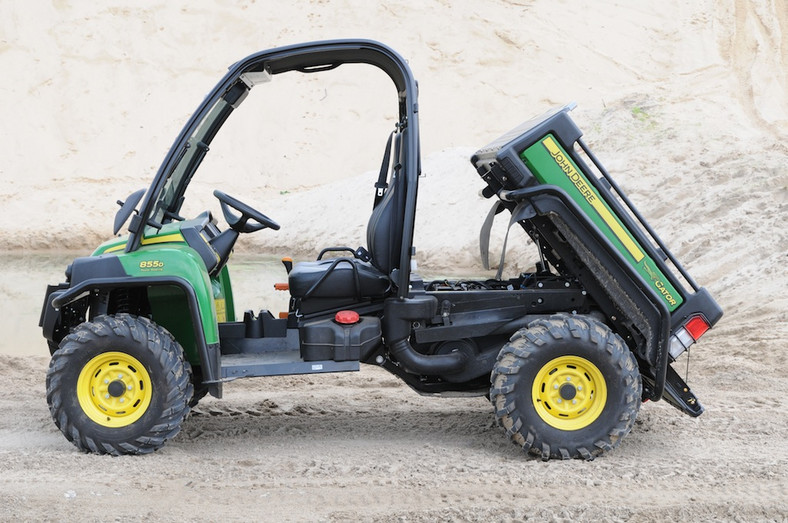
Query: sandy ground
(685, 103)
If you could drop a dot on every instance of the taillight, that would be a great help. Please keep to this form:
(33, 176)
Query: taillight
(687, 334)
(697, 327)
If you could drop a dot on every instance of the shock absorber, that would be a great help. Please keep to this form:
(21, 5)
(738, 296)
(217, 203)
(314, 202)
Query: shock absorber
(120, 301)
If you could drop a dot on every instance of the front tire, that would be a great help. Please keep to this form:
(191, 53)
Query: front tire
(119, 385)
(566, 387)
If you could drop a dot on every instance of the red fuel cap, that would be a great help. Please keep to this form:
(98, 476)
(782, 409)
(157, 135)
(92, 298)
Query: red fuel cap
(346, 317)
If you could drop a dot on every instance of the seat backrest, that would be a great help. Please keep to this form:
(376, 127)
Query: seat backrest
(384, 230)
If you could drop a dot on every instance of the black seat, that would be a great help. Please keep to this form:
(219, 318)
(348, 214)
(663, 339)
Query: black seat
(354, 277)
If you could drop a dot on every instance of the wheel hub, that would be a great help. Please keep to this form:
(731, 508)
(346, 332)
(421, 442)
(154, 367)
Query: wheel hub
(569, 393)
(114, 389)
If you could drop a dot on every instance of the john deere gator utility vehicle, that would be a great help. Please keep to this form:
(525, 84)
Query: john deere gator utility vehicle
(146, 325)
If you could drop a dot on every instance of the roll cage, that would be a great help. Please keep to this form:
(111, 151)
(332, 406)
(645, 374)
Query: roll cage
(164, 198)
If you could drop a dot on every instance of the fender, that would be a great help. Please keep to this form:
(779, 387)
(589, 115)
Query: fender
(176, 266)
(208, 352)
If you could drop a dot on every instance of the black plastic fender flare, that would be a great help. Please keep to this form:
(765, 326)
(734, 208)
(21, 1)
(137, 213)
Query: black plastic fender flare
(209, 354)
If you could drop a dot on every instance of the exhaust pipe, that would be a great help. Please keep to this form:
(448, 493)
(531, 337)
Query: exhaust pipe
(435, 364)
(397, 317)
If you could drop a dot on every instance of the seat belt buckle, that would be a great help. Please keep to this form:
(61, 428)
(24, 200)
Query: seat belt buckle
(363, 254)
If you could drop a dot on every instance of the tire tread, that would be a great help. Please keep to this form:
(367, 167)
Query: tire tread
(515, 355)
(162, 347)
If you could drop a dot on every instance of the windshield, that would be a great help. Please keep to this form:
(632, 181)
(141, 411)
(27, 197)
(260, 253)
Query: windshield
(170, 198)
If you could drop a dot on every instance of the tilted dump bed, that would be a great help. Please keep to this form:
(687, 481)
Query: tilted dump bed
(595, 233)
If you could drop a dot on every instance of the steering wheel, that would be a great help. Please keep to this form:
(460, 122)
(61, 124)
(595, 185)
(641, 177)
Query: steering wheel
(241, 223)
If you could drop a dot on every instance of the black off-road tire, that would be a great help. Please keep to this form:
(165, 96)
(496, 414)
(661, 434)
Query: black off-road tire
(100, 359)
(553, 362)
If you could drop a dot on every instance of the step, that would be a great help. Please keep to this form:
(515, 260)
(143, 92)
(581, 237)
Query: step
(279, 363)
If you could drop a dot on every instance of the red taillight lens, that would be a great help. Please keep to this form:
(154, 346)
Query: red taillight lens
(697, 327)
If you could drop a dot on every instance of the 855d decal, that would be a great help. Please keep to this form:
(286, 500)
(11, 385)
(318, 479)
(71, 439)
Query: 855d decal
(151, 265)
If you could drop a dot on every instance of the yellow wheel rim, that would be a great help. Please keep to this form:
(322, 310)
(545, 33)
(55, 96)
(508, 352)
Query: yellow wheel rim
(569, 393)
(114, 389)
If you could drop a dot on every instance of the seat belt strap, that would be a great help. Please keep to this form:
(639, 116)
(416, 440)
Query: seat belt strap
(381, 185)
(484, 234)
(522, 211)
(503, 249)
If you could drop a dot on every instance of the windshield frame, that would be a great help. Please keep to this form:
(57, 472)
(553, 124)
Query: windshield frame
(170, 197)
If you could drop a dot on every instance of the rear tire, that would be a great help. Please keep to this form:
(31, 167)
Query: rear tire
(566, 387)
(119, 385)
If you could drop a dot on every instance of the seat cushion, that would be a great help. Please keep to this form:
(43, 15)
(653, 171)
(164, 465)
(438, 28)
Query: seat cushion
(348, 278)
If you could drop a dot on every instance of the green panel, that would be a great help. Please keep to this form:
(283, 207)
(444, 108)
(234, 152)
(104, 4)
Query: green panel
(114, 245)
(550, 164)
(172, 259)
(169, 233)
(170, 310)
